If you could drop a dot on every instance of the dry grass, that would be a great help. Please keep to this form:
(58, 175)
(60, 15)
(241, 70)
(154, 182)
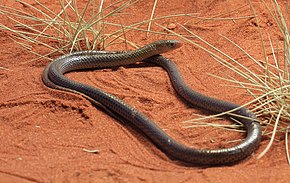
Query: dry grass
(71, 29)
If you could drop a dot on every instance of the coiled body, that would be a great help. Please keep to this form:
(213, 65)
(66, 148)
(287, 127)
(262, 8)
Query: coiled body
(53, 77)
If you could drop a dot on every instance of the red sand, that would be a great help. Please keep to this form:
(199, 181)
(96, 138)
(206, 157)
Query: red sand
(43, 132)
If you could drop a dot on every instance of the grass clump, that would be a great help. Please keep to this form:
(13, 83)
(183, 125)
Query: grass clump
(73, 28)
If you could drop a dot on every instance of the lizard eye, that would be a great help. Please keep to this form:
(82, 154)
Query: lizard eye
(172, 44)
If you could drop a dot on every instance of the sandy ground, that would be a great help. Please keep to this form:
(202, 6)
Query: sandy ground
(43, 132)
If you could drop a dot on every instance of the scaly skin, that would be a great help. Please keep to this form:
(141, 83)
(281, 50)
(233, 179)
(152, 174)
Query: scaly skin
(53, 76)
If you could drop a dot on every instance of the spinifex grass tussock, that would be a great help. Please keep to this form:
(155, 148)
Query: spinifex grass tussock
(73, 28)
(268, 82)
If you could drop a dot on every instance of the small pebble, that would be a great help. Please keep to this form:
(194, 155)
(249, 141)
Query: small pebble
(171, 26)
